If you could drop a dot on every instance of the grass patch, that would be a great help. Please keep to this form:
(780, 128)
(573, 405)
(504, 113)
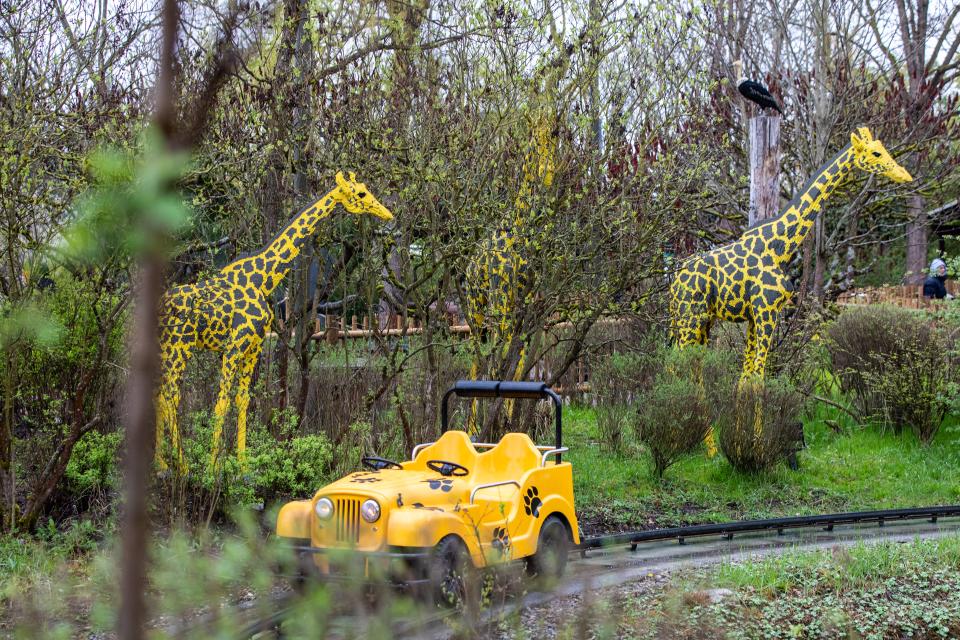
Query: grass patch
(856, 469)
(857, 568)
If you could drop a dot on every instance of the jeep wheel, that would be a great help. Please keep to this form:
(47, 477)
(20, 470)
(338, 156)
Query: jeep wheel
(304, 571)
(553, 545)
(450, 572)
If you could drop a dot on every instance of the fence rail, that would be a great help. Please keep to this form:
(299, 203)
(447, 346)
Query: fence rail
(907, 296)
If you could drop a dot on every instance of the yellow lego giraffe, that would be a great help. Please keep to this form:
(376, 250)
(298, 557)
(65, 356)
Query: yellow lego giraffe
(498, 278)
(230, 314)
(745, 280)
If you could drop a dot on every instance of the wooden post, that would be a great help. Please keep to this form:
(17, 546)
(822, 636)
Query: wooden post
(764, 168)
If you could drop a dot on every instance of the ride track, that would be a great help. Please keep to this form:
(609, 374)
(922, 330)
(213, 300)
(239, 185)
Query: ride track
(608, 568)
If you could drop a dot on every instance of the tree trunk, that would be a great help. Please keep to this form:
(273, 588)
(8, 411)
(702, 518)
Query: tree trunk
(917, 232)
(302, 298)
(596, 121)
(850, 262)
(271, 204)
(141, 423)
(53, 473)
(764, 168)
(8, 490)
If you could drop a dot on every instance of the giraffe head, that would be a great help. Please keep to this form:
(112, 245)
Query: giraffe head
(871, 156)
(356, 198)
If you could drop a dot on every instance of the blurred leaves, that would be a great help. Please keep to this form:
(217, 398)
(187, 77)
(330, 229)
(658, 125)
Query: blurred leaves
(131, 203)
(28, 323)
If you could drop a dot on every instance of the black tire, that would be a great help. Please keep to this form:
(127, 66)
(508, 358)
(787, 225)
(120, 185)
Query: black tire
(450, 572)
(553, 546)
(302, 573)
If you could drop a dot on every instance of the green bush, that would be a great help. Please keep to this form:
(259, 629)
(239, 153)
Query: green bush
(759, 424)
(949, 321)
(62, 378)
(895, 364)
(93, 467)
(673, 419)
(682, 400)
(295, 468)
(277, 469)
(617, 382)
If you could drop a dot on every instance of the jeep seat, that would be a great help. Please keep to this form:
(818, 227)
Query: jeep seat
(513, 457)
(453, 446)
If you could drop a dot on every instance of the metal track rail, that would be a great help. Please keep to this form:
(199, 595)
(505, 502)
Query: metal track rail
(728, 529)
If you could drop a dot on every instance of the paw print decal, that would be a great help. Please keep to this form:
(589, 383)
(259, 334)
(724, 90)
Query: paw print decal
(532, 502)
(364, 477)
(443, 485)
(501, 540)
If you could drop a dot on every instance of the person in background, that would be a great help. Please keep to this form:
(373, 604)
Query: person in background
(935, 286)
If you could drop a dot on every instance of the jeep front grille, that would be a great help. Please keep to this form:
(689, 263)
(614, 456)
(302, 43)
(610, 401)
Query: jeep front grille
(347, 513)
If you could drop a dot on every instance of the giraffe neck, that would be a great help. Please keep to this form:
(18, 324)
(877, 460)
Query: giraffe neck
(538, 168)
(797, 218)
(265, 269)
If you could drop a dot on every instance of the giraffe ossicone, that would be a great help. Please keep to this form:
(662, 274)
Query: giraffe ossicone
(230, 314)
(745, 280)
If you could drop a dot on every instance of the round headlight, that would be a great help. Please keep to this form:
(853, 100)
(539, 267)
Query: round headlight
(370, 510)
(324, 508)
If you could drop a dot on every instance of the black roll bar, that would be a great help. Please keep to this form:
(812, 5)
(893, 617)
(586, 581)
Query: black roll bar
(505, 389)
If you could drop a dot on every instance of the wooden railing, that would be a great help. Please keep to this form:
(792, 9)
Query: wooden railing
(907, 296)
(332, 328)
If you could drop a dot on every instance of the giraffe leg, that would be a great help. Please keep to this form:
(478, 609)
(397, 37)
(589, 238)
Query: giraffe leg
(243, 400)
(765, 318)
(167, 402)
(691, 325)
(228, 372)
(766, 312)
(764, 339)
(750, 352)
(163, 411)
(476, 302)
(518, 372)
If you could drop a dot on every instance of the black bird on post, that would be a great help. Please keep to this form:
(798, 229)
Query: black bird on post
(755, 92)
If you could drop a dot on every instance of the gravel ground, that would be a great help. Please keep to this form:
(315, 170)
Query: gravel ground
(582, 615)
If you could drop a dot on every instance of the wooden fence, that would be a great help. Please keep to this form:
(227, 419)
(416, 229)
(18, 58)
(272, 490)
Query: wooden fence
(907, 296)
(333, 328)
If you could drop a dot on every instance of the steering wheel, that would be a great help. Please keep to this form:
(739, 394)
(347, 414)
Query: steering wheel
(447, 468)
(372, 462)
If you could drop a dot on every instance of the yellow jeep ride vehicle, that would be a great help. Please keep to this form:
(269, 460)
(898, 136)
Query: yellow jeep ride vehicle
(454, 505)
